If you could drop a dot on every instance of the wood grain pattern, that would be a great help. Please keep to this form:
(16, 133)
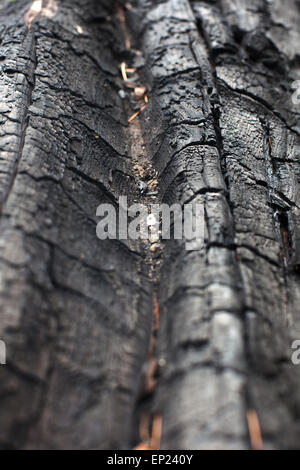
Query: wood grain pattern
(220, 129)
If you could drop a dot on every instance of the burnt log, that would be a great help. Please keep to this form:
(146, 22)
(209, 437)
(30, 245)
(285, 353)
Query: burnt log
(217, 127)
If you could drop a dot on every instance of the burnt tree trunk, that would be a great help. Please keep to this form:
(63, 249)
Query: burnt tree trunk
(78, 314)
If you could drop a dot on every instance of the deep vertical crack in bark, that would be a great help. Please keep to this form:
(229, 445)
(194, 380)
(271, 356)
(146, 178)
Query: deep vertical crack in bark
(136, 104)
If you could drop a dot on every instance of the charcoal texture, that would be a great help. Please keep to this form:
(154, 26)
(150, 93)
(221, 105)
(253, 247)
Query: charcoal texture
(220, 128)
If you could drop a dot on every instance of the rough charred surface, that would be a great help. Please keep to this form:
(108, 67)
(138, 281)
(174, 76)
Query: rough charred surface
(221, 130)
(221, 74)
(75, 312)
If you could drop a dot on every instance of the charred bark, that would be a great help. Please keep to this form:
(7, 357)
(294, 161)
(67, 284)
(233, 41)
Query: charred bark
(219, 128)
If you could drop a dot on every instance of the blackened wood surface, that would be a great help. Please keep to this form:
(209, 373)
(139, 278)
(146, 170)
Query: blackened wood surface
(221, 129)
(75, 312)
